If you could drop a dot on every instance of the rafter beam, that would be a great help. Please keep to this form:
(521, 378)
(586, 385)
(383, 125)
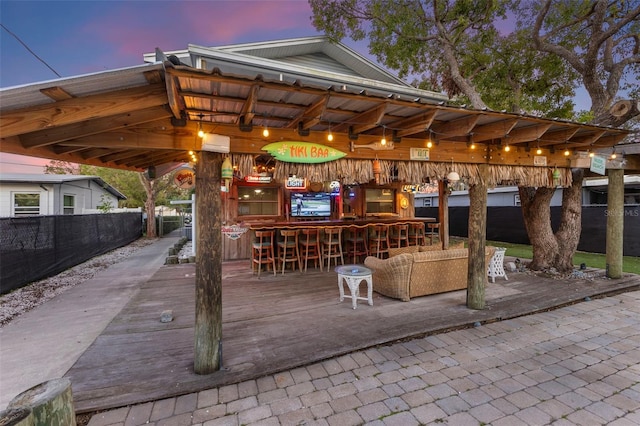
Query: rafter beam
(552, 138)
(92, 127)
(249, 107)
(460, 127)
(74, 110)
(310, 116)
(175, 101)
(414, 124)
(364, 121)
(495, 130)
(56, 93)
(527, 134)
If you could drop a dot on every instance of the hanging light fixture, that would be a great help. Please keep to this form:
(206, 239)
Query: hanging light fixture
(265, 132)
(453, 176)
(200, 130)
(613, 154)
(538, 150)
(590, 151)
(470, 142)
(566, 150)
(330, 135)
(383, 141)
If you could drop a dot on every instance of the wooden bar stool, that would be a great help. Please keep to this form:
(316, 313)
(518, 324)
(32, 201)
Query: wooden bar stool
(379, 240)
(416, 234)
(434, 230)
(332, 246)
(356, 241)
(263, 251)
(288, 249)
(310, 247)
(399, 235)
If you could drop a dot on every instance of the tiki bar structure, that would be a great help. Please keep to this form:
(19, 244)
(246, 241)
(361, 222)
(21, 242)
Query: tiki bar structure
(296, 134)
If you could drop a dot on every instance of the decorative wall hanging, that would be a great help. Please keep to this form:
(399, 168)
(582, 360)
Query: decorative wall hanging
(302, 152)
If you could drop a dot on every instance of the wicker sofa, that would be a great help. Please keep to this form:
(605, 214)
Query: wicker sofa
(420, 271)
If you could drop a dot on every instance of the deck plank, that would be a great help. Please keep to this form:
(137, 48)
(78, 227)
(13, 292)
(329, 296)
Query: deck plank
(274, 323)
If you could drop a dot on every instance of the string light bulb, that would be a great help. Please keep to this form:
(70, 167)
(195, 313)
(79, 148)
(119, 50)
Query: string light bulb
(538, 150)
(330, 135)
(507, 148)
(567, 152)
(383, 141)
(265, 132)
(200, 131)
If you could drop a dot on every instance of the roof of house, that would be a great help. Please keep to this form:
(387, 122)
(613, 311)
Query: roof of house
(58, 179)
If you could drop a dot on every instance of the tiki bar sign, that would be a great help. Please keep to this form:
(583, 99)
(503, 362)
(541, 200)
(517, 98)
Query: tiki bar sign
(302, 152)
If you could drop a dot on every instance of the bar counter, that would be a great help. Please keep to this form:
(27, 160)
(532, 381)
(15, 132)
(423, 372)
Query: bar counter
(344, 223)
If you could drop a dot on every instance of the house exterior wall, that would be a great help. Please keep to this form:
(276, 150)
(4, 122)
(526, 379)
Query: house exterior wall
(86, 194)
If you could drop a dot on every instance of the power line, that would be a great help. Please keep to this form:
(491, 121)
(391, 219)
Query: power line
(30, 51)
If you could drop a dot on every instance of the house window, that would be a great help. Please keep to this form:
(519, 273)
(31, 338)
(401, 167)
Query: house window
(516, 200)
(258, 200)
(69, 202)
(26, 204)
(426, 202)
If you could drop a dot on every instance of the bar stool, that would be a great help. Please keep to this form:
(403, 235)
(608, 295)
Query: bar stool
(288, 249)
(310, 247)
(399, 234)
(262, 251)
(434, 230)
(356, 242)
(379, 240)
(332, 246)
(416, 234)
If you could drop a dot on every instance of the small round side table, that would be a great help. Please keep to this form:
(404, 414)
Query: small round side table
(353, 275)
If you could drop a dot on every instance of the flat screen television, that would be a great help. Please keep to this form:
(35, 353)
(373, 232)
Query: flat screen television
(310, 204)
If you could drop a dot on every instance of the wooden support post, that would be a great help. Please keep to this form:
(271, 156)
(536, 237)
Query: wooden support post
(208, 327)
(51, 403)
(443, 213)
(615, 223)
(22, 416)
(477, 270)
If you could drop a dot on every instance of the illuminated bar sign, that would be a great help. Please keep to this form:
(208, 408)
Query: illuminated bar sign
(257, 179)
(302, 152)
(294, 182)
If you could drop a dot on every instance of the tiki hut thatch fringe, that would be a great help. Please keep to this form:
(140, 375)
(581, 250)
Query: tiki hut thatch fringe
(349, 172)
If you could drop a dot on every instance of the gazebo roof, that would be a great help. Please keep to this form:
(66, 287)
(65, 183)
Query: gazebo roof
(149, 115)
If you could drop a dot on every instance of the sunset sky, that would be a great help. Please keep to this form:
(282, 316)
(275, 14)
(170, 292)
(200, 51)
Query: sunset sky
(80, 37)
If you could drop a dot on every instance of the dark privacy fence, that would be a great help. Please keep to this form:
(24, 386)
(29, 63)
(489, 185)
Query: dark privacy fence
(35, 247)
(506, 224)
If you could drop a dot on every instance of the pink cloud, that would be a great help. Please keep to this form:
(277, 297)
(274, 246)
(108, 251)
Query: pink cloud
(131, 29)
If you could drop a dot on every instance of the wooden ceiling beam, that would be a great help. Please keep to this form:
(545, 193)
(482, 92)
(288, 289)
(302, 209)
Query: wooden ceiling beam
(92, 127)
(363, 121)
(311, 115)
(56, 93)
(495, 130)
(176, 103)
(414, 124)
(460, 127)
(526, 134)
(249, 108)
(74, 110)
(558, 136)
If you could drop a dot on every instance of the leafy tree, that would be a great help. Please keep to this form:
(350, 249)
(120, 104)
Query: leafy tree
(58, 167)
(459, 46)
(140, 190)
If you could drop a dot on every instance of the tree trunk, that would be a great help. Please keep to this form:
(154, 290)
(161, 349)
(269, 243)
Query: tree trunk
(553, 250)
(208, 326)
(568, 235)
(536, 213)
(477, 268)
(443, 213)
(149, 205)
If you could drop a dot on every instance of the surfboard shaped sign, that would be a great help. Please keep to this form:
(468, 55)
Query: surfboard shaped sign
(303, 152)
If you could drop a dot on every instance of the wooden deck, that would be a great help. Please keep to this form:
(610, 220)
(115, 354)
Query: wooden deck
(272, 324)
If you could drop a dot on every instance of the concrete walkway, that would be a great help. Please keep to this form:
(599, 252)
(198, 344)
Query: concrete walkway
(45, 342)
(578, 365)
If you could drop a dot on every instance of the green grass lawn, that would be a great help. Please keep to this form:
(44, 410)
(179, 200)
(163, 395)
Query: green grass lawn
(593, 260)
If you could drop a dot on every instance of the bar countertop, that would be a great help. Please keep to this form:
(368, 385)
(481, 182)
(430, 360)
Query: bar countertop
(359, 222)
